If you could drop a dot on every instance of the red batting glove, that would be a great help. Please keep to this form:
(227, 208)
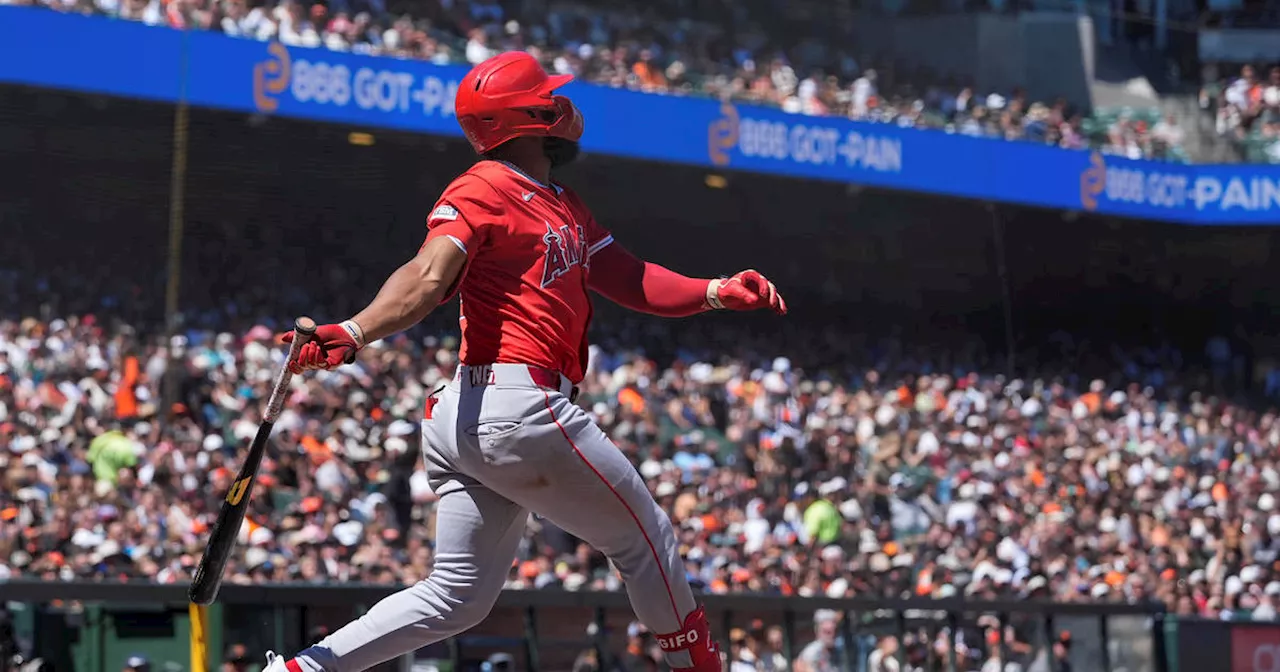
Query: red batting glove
(747, 290)
(331, 346)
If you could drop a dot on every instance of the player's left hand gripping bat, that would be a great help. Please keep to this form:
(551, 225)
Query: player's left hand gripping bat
(208, 578)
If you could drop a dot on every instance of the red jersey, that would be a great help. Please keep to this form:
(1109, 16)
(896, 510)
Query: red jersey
(524, 286)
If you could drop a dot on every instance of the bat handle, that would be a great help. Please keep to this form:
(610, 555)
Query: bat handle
(303, 329)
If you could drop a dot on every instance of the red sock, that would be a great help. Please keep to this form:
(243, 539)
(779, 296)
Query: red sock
(292, 665)
(695, 638)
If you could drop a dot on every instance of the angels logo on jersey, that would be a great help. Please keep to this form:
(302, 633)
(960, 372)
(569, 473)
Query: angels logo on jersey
(566, 248)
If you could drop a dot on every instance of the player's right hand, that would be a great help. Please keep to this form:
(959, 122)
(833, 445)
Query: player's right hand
(331, 346)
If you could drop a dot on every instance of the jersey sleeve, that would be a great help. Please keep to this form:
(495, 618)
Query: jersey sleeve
(598, 237)
(468, 213)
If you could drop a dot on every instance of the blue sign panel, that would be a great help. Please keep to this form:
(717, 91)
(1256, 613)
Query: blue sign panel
(131, 59)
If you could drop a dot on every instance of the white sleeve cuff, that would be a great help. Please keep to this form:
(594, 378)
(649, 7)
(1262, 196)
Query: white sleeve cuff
(713, 295)
(457, 242)
(599, 245)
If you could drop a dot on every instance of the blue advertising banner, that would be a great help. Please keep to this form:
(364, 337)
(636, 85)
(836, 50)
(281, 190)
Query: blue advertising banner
(129, 59)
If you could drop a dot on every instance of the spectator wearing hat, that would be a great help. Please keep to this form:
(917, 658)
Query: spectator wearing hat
(825, 652)
(822, 521)
(1062, 653)
(638, 656)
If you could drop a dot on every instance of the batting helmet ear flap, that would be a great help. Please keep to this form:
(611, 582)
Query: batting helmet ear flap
(569, 123)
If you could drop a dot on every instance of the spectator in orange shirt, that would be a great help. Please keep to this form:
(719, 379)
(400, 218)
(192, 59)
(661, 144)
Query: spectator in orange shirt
(648, 73)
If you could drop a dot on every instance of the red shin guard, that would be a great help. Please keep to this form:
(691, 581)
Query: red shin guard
(694, 638)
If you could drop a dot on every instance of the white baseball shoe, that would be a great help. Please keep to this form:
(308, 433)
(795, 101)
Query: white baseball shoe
(275, 663)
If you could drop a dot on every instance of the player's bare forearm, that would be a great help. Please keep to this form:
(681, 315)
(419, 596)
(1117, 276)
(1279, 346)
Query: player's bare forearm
(413, 290)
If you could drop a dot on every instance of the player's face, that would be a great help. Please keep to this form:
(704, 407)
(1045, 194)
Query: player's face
(560, 151)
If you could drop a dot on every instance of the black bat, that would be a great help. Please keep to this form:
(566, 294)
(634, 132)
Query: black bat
(222, 540)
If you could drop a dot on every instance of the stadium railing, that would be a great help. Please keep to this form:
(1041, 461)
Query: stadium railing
(91, 625)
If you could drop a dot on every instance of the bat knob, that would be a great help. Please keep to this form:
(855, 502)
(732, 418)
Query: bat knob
(304, 325)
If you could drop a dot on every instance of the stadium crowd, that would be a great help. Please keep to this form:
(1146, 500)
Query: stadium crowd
(1246, 109)
(902, 473)
(666, 47)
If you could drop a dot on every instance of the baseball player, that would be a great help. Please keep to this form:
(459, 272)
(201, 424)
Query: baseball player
(504, 437)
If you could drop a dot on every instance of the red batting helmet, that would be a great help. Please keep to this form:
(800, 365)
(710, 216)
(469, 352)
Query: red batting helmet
(510, 96)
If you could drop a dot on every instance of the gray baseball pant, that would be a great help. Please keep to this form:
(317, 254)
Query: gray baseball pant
(498, 446)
